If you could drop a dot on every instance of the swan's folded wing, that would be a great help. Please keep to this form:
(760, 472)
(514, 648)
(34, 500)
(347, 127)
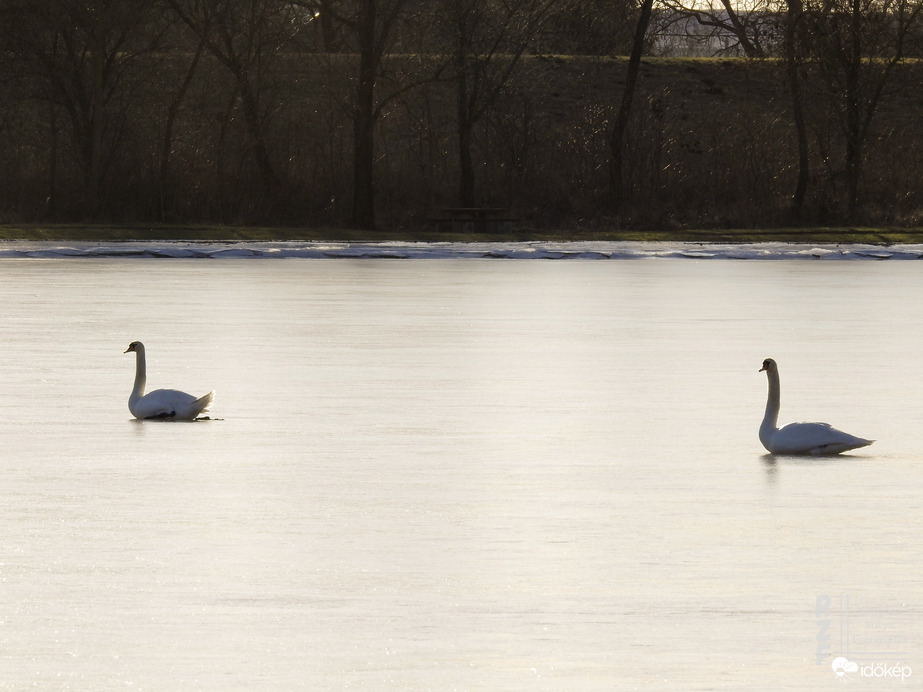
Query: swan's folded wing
(162, 403)
(814, 438)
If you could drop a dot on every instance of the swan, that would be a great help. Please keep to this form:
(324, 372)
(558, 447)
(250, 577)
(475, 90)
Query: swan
(167, 404)
(799, 438)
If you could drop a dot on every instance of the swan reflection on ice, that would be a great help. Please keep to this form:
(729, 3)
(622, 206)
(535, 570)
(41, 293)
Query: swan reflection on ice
(161, 404)
(799, 438)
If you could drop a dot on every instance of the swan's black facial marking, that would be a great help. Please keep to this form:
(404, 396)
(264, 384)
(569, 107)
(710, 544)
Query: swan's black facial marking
(767, 364)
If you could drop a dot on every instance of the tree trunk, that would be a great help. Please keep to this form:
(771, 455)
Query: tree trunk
(792, 33)
(52, 204)
(166, 145)
(740, 31)
(249, 101)
(364, 121)
(616, 143)
(465, 164)
(853, 115)
(93, 135)
(328, 34)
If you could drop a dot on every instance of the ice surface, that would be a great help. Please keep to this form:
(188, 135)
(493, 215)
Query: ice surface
(451, 475)
(494, 250)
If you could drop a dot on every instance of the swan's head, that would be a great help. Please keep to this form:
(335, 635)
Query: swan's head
(134, 346)
(769, 365)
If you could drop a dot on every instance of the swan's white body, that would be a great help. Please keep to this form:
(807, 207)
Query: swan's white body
(799, 438)
(169, 404)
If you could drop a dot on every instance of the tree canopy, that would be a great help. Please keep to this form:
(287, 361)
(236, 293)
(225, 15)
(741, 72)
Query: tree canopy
(363, 112)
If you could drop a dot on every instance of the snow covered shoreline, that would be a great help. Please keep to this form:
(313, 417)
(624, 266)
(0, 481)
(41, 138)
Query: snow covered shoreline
(622, 250)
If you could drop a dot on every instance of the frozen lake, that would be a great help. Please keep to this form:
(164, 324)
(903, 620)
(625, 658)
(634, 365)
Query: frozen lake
(458, 474)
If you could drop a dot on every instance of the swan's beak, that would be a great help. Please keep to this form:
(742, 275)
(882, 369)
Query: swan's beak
(128, 349)
(762, 369)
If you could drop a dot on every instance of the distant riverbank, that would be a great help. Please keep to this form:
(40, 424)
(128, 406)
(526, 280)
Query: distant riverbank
(494, 250)
(210, 233)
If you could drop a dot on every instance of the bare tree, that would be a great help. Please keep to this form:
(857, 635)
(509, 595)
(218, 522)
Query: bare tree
(793, 56)
(750, 29)
(617, 138)
(372, 28)
(245, 36)
(489, 40)
(82, 54)
(853, 47)
(586, 27)
(324, 20)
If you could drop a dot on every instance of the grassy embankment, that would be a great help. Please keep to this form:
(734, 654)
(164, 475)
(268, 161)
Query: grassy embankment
(207, 233)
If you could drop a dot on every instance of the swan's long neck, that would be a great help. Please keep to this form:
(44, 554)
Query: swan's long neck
(140, 375)
(771, 417)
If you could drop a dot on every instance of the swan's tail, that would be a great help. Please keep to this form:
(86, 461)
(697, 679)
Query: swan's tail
(202, 404)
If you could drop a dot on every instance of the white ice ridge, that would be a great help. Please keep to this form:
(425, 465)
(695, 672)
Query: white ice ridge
(523, 250)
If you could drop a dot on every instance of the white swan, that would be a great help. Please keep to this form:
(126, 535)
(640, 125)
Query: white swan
(167, 404)
(799, 438)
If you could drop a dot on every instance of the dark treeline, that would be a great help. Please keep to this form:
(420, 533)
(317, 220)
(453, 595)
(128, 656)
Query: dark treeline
(379, 112)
